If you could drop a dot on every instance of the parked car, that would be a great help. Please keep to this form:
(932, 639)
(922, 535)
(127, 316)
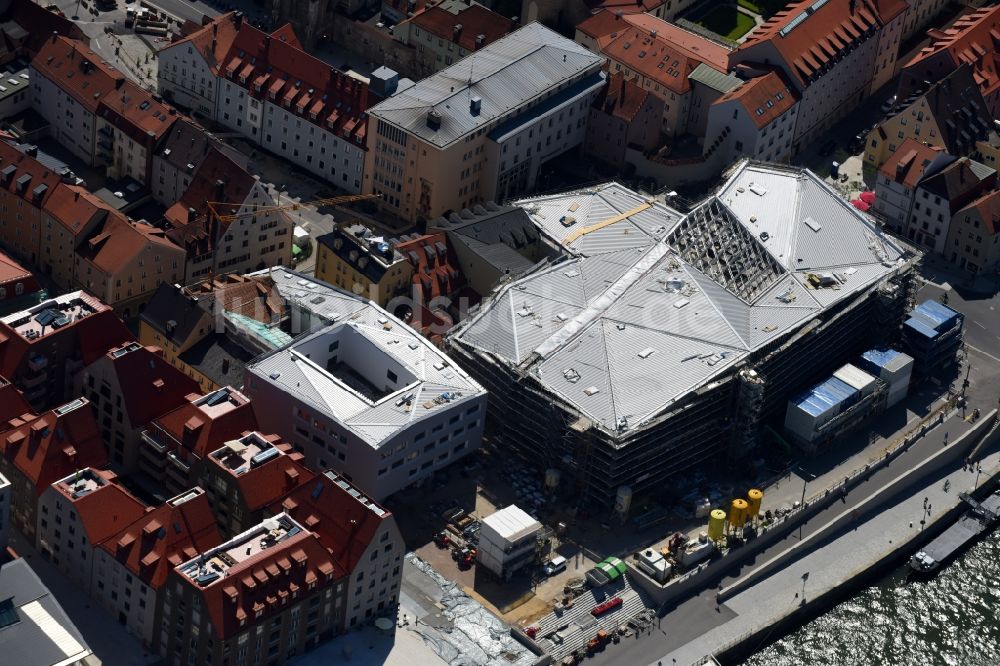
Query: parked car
(888, 104)
(555, 565)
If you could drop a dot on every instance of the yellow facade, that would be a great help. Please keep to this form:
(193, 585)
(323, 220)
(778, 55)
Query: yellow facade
(914, 122)
(148, 336)
(331, 268)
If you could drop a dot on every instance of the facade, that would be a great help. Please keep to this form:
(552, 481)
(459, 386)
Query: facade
(70, 215)
(275, 576)
(43, 348)
(272, 92)
(448, 31)
(363, 538)
(564, 15)
(127, 388)
(176, 444)
(25, 186)
(5, 499)
(439, 146)
(230, 236)
(366, 395)
(508, 542)
(835, 53)
(247, 475)
(78, 512)
(939, 196)
(16, 282)
(355, 259)
(660, 57)
(932, 335)
(38, 450)
(715, 354)
(623, 116)
(757, 118)
(132, 565)
(967, 41)
(919, 13)
(972, 237)
(951, 114)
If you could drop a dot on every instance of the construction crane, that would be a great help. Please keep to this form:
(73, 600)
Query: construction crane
(263, 209)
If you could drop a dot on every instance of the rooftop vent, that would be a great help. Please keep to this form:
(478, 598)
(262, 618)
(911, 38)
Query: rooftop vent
(475, 105)
(434, 120)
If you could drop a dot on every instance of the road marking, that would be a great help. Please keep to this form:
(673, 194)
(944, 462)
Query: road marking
(978, 324)
(97, 42)
(980, 351)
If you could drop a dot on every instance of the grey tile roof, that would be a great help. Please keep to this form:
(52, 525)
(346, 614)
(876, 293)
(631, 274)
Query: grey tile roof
(506, 75)
(714, 79)
(620, 336)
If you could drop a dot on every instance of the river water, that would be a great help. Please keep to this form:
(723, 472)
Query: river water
(952, 620)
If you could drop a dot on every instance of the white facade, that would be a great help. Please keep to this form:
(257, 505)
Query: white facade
(930, 218)
(126, 597)
(61, 536)
(185, 78)
(73, 126)
(770, 143)
(507, 541)
(6, 490)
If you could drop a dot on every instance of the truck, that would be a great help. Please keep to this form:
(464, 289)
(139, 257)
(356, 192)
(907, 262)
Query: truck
(598, 642)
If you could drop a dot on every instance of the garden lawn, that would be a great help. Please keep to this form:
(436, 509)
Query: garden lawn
(727, 22)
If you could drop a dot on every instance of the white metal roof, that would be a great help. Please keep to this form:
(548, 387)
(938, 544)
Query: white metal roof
(854, 377)
(342, 313)
(620, 336)
(511, 523)
(506, 75)
(560, 215)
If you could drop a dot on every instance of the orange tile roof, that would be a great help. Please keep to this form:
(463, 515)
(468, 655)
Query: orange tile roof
(343, 523)
(907, 164)
(105, 510)
(40, 23)
(55, 444)
(622, 98)
(72, 206)
(25, 165)
(475, 20)
(213, 40)
(200, 430)
(808, 40)
(987, 209)
(117, 242)
(973, 39)
(134, 111)
(663, 52)
(764, 98)
(153, 544)
(271, 481)
(12, 404)
(77, 70)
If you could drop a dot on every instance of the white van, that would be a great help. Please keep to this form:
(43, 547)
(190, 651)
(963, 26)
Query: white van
(556, 565)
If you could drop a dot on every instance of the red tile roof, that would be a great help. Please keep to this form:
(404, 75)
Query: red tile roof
(475, 20)
(55, 444)
(105, 510)
(24, 165)
(987, 210)
(764, 98)
(134, 111)
(621, 98)
(271, 481)
(11, 272)
(40, 23)
(200, 429)
(429, 276)
(117, 242)
(809, 40)
(149, 385)
(12, 404)
(907, 164)
(258, 582)
(344, 523)
(80, 72)
(973, 39)
(218, 179)
(275, 67)
(663, 52)
(153, 544)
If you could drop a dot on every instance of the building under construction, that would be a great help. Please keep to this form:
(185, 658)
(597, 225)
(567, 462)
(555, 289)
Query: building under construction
(618, 370)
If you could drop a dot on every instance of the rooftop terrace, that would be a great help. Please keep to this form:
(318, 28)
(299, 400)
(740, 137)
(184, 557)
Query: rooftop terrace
(248, 452)
(52, 315)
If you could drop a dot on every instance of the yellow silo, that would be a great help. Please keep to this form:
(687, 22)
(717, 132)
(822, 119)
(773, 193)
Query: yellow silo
(755, 497)
(738, 514)
(716, 524)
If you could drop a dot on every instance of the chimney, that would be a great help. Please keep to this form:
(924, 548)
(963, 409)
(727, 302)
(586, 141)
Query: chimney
(215, 31)
(480, 40)
(239, 20)
(475, 105)
(54, 35)
(220, 189)
(456, 31)
(119, 82)
(621, 93)
(225, 366)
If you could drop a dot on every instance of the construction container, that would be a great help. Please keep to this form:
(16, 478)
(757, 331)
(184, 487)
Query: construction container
(893, 367)
(695, 552)
(856, 378)
(809, 410)
(653, 564)
(754, 498)
(738, 513)
(716, 524)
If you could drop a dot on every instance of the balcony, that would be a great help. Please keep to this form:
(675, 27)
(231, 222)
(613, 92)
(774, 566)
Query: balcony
(106, 131)
(38, 362)
(34, 380)
(178, 463)
(152, 440)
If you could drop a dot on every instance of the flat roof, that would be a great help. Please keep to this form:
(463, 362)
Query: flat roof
(426, 379)
(621, 336)
(507, 75)
(52, 315)
(512, 523)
